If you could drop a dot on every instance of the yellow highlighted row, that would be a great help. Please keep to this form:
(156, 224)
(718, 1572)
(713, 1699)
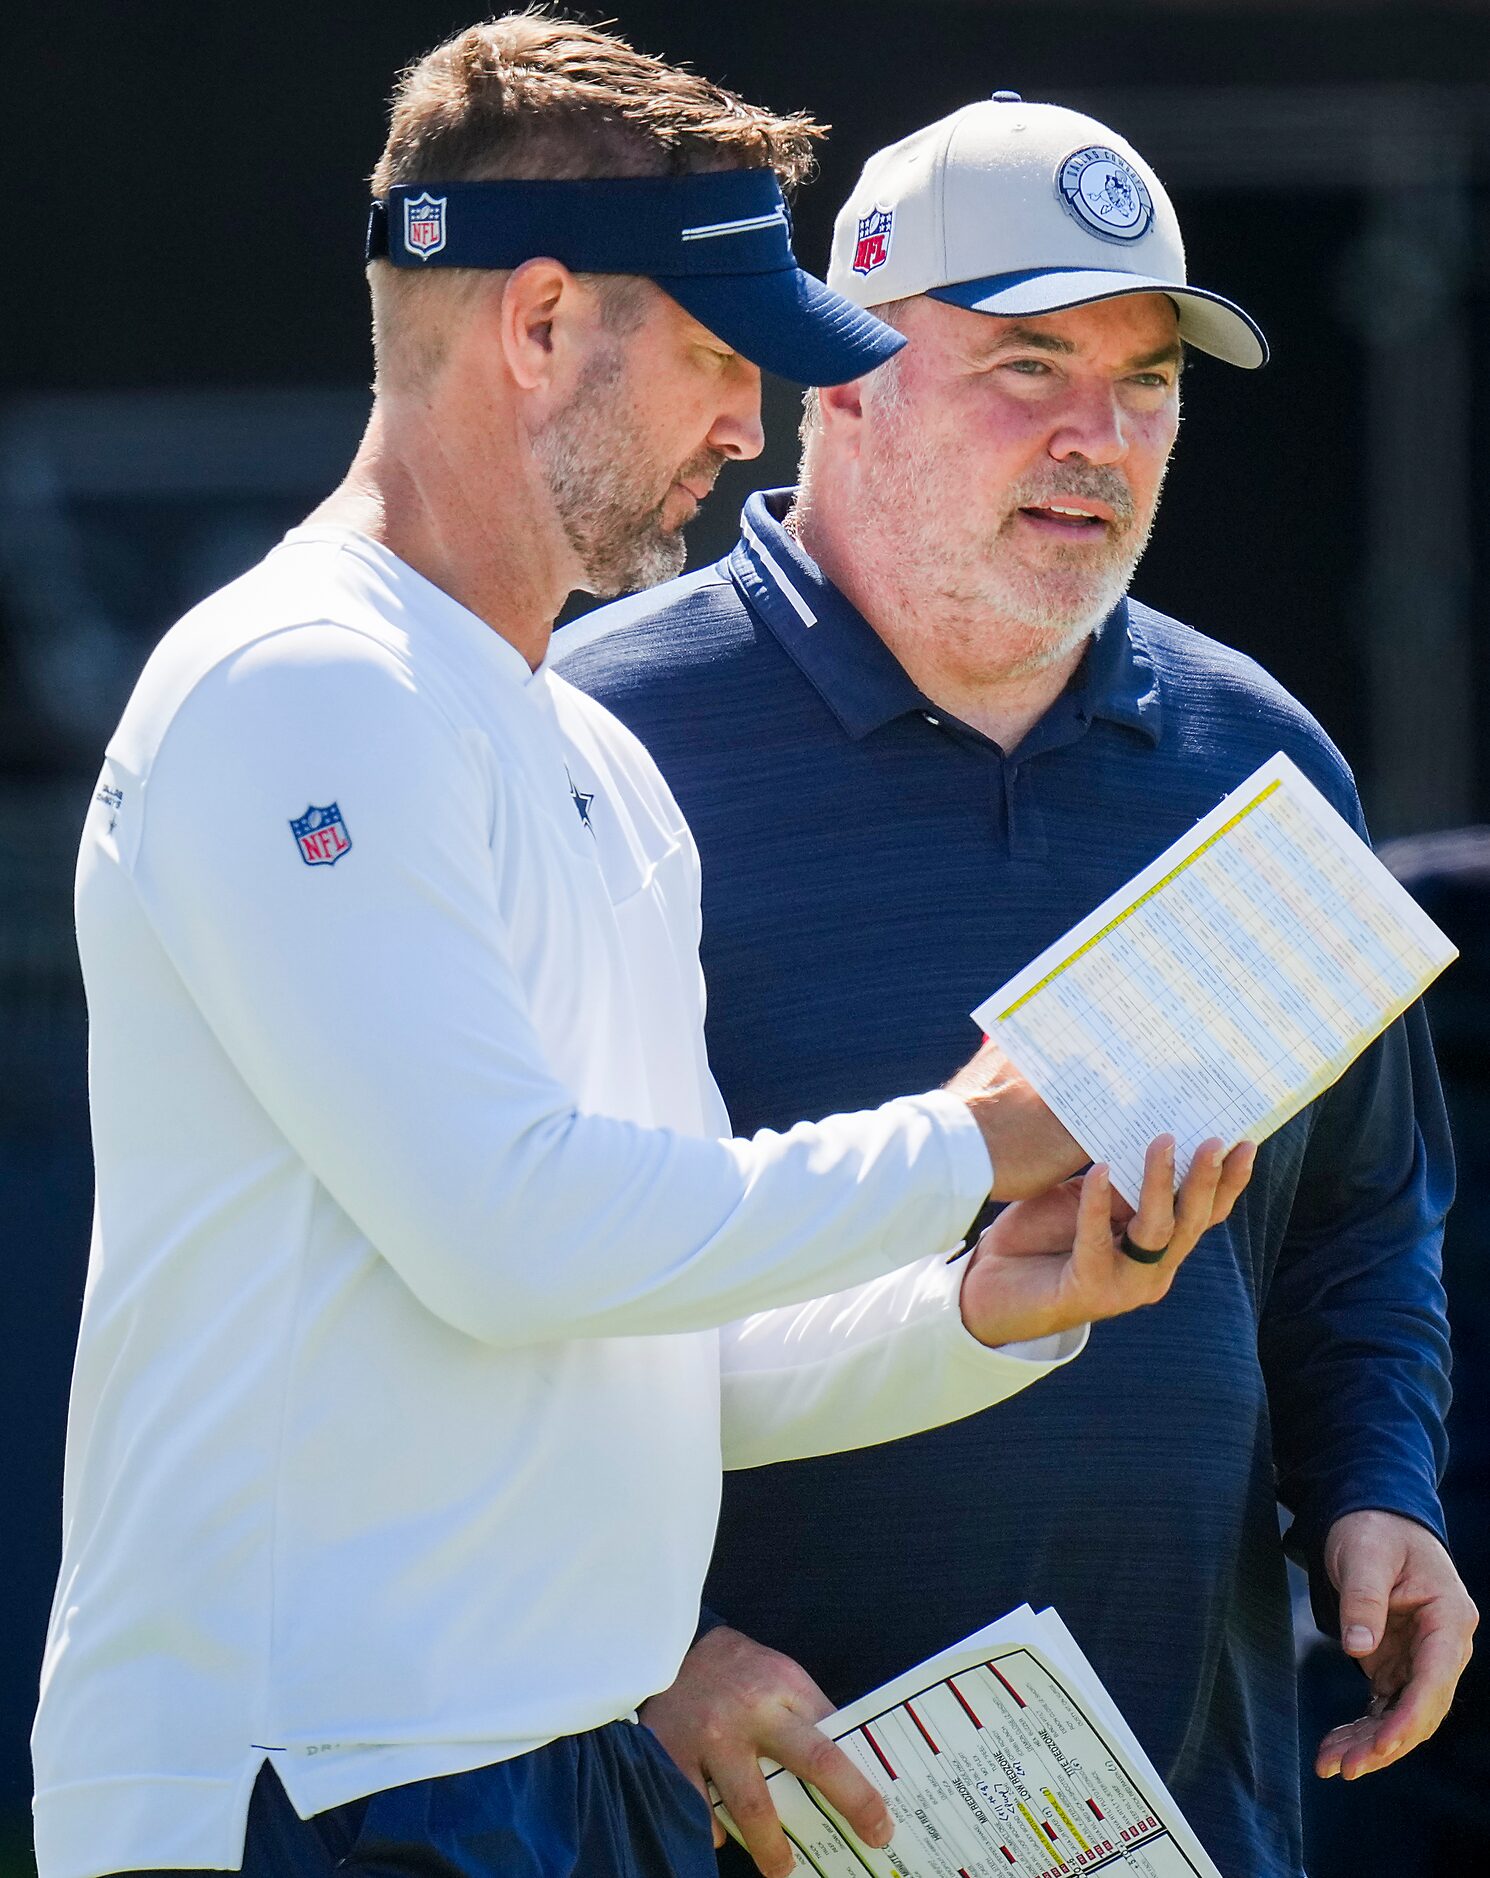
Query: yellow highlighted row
(1047, 1851)
(1128, 911)
(1065, 1819)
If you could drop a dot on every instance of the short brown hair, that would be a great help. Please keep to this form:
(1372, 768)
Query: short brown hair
(535, 95)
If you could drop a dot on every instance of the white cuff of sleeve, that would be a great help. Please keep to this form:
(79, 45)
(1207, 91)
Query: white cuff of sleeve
(1050, 1352)
(889, 1359)
(972, 1170)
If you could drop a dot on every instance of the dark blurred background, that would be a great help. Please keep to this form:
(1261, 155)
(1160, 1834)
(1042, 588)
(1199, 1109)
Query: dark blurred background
(183, 371)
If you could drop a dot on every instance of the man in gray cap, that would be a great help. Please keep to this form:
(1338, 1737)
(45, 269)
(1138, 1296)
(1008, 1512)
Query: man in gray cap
(918, 730)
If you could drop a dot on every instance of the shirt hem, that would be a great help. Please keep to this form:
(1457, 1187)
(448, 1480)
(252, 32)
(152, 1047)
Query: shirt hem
(316, 1783)
(126, 1822)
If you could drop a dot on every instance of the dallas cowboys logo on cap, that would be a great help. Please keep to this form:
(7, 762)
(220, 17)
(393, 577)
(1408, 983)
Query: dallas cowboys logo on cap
(1105, 194)
(424, 224)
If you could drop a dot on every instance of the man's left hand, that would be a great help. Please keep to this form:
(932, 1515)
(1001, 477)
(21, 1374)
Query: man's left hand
(1407, 1620)
(735, 1701)
(1056, 1261)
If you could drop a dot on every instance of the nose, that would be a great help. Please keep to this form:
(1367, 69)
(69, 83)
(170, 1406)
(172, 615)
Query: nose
(1091, 426)
(736, 431)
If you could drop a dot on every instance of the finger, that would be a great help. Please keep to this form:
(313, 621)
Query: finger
(1366, 1750)
(1196, 1197)
(1333, 1748)
(696, 1776)
(809, 1753)
(1437, 1664)
(1091, 1244)
(687, 1764)
(1152, 1226)
(742, 1787)
(1236, 1171)
(1346, 1739)
(1366, 1580)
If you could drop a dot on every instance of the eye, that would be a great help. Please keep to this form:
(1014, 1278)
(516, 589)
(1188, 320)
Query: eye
(1157, 381)
(1028, 368)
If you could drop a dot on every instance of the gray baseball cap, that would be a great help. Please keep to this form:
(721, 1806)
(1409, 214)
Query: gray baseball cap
(1015, 208)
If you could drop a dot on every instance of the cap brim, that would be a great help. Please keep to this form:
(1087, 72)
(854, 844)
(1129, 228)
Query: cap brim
(789, 323)
(1207, 322)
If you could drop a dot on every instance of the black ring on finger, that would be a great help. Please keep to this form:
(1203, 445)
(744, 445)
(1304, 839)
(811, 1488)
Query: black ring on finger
(1141, 1254)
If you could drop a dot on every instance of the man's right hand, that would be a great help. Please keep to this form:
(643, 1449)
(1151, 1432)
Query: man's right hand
(1031, 1151)
(734, 1702)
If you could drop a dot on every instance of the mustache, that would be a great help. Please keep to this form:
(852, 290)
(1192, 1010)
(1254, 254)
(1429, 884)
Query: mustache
(703, 467)
(701, 471)
(1093, 480)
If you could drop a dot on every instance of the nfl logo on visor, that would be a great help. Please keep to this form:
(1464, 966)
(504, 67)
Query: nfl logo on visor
(424, 224)
(873, 247)
(321, 835)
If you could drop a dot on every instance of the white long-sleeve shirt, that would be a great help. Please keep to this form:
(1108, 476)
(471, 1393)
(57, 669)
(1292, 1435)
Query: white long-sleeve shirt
(396, 1423)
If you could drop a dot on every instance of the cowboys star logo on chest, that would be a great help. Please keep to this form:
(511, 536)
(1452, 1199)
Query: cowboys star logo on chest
(582, 799)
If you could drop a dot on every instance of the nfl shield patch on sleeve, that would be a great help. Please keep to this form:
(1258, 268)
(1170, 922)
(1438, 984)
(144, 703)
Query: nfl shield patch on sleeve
(321, 835)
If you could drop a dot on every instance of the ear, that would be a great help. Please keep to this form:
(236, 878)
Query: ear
(544, 319)
(841, 410)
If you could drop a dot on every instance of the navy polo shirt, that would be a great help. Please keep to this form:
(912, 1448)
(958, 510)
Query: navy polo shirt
(872, 868)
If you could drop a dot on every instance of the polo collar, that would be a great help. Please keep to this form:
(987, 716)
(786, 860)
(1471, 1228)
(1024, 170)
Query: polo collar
(859, 678)
(861, 681)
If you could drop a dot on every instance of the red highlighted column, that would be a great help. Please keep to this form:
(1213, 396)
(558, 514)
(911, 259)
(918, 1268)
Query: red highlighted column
(879, 1752)
(1008, 1685)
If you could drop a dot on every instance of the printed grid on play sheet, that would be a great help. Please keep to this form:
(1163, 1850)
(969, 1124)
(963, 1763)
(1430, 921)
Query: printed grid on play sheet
(995, 1771)
(1227, 996)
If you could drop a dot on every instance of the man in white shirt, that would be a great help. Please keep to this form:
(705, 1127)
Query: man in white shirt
(394, 1448)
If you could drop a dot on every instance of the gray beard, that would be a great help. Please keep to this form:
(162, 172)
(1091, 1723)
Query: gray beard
(602, 495)
(1036, 616)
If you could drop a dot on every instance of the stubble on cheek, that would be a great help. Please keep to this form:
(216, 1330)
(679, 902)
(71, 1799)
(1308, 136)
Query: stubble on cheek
(954, 548)
(609, 494)
(1065, 589)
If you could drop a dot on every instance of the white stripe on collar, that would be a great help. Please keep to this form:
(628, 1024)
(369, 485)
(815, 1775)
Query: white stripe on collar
(798, 605)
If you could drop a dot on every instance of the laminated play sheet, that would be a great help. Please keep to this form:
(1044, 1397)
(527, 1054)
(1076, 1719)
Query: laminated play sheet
(1004, 1757)
(1229, 983)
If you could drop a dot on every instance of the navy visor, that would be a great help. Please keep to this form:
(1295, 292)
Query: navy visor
(718, 243)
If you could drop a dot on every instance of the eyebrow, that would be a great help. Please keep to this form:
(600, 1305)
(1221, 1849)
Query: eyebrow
(1171, 354)
(1030, 336)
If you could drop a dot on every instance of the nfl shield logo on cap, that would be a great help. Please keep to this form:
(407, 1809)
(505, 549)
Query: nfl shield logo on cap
(321, 835)
(873, 247)
(424, 224)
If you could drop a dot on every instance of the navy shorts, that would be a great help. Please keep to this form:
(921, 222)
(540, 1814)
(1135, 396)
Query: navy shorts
(608, 1804)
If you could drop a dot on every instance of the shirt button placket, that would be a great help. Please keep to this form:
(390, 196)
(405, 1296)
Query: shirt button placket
(1001, 804)
(1026, 826)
